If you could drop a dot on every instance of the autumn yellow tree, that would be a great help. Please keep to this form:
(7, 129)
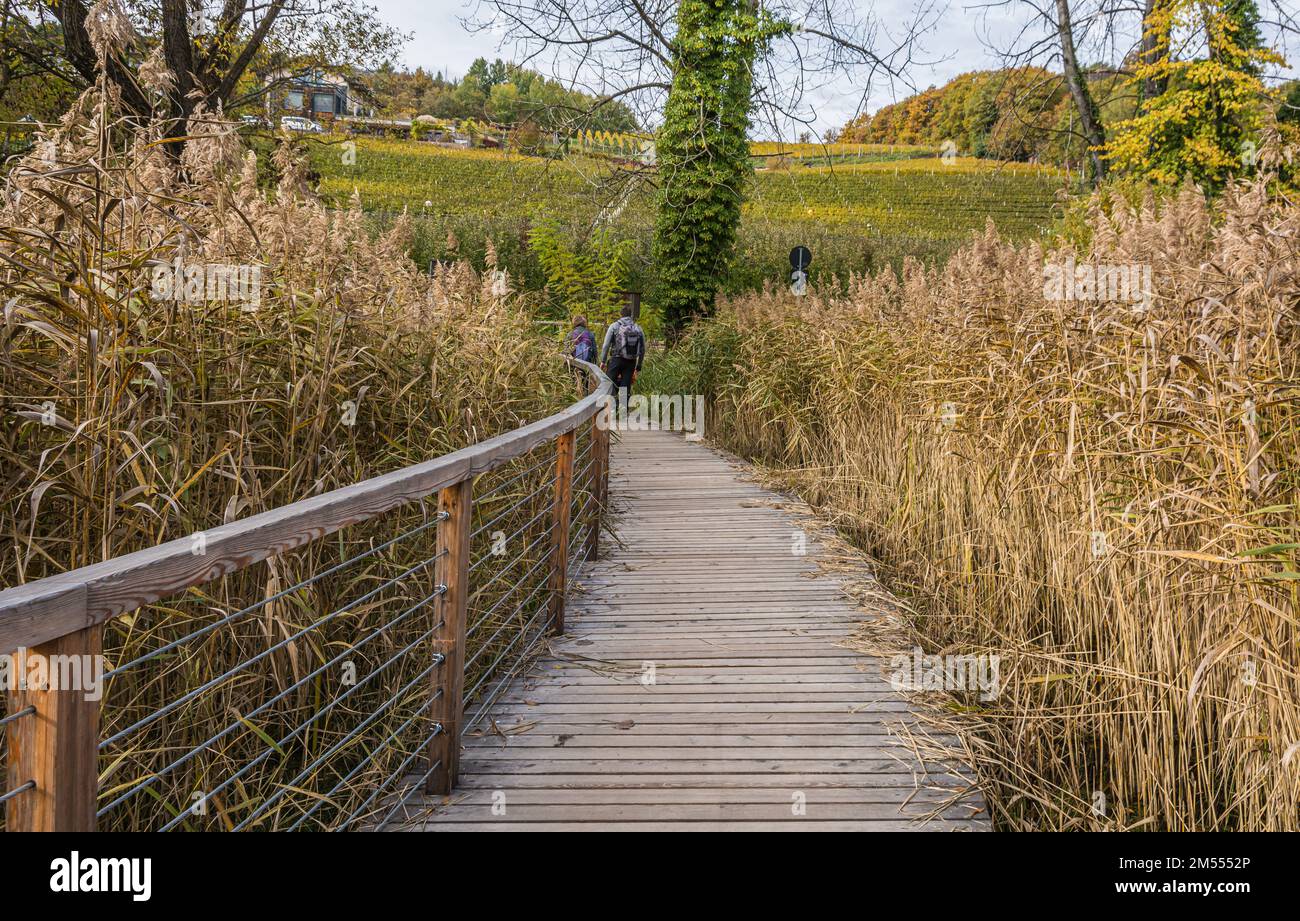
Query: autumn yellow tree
(1204, 124)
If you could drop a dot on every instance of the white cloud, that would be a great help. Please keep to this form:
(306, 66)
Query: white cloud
(441, 41)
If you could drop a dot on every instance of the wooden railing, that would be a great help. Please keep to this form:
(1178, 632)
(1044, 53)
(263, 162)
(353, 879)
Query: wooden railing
(55, 750)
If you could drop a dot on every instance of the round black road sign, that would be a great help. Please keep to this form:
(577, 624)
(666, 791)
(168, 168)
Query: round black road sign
(800, 258)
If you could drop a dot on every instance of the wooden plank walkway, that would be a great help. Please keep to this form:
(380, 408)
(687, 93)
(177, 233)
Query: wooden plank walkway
(700, 685)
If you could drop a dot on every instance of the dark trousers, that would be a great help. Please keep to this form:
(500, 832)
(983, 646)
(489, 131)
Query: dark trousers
(620, 372)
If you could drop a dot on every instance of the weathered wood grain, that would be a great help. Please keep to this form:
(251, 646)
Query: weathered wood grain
(757, 717)
(561, 516)
(56, 746)
(448, 680)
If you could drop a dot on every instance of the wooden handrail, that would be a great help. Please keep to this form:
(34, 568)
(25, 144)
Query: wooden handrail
(54, 748)
(39, 612)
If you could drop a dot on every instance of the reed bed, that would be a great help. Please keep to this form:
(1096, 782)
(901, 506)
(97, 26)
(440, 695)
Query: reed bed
(1102, 493)
(130, 419)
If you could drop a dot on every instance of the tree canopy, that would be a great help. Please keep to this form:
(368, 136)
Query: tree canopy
(500, 92)
(1189, 101)
(175, 57)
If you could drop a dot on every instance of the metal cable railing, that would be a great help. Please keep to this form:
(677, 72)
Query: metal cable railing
(313, 667)
(21, 786)
(277, 747)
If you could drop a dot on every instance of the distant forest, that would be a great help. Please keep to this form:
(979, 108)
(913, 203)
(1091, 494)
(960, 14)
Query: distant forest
(498, 92)
(1020, 114)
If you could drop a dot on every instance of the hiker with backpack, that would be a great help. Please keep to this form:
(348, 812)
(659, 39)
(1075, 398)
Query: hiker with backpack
(622, 353)
(581, 344)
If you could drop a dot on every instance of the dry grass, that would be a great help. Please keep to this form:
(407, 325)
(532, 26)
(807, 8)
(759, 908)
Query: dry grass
(977, 438)
(128, 421)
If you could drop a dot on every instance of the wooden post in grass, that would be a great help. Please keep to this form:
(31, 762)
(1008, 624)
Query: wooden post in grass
(456, 502)
(57, 746)
(560, 513)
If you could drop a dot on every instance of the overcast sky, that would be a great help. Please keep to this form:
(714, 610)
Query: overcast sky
(442, 43)
(962, 39)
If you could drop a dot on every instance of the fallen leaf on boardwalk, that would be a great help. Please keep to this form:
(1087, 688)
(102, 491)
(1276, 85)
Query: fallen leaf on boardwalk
(452, 800)
(625, 724)
(602, 667)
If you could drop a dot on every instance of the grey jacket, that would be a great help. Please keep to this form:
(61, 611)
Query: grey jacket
(609, 341)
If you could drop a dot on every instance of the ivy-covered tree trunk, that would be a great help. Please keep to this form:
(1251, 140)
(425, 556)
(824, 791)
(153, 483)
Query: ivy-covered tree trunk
(703, 151)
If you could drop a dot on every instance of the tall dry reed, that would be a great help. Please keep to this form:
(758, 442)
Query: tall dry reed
(130, 419)
(1102, 493)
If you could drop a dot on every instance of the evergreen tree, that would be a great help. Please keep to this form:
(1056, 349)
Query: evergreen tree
(1289, 112)
(479, 75)
(1241, 21)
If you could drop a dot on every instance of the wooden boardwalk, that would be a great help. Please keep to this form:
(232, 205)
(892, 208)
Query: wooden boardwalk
(701, 684)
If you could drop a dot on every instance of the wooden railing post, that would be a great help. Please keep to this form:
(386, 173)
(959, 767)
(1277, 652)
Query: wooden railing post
(57, 746)
(604, 472)
(599, 461)
(456, 502)
(560, 512)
